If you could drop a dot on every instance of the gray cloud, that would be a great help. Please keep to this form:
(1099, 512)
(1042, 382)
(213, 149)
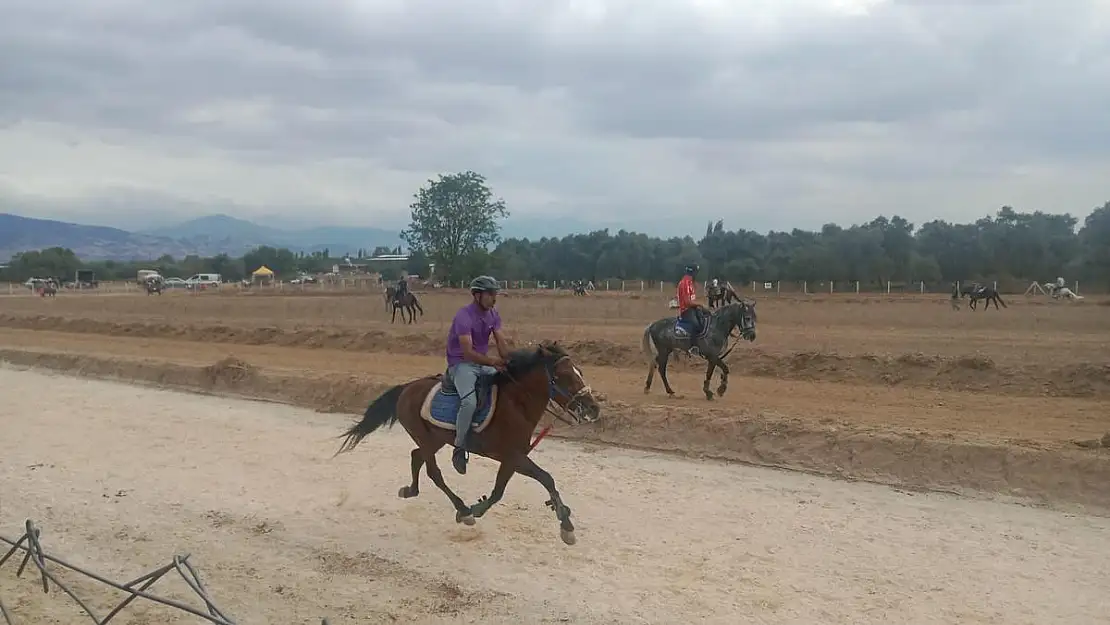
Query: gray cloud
(767, 114)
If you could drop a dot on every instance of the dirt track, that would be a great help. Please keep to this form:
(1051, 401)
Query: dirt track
(898, 390)
(121, 477)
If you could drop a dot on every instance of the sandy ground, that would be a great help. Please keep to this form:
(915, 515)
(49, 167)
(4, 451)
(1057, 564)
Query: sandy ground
(120, 477)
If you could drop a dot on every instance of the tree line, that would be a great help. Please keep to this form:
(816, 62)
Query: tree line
(455, 223)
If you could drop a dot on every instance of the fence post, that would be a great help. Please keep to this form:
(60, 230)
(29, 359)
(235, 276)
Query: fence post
(660, 286)
(888, 287)
(778, 287)
(805, 287)
(996, 285)
(857, 287)
(831, 286)
(922, 287)
(1076, 291)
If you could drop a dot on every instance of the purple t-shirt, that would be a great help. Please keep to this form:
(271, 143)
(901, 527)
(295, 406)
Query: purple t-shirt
(478, 324)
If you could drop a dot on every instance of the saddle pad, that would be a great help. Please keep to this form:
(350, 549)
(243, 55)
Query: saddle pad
(683, 330)
(441, 409)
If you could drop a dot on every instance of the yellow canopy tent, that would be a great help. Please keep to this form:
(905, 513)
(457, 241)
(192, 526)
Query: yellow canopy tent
(262, 274)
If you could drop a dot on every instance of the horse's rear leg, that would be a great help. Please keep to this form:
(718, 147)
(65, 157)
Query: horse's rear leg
(413, 489)
(462, 511)
(662, 363)
(650, 376)
(562, 512)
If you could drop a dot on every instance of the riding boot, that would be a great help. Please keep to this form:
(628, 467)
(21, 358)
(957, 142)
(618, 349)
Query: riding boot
(465, 417)
(459, 458)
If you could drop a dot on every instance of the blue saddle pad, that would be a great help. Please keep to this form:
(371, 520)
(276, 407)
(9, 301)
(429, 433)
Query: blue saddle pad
(682, 328)
(445, 405)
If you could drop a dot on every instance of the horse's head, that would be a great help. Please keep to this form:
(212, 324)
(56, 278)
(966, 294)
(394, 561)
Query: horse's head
(742, 315)
(565, 384)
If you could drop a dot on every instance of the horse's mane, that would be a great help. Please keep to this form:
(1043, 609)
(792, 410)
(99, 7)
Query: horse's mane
(522, 361)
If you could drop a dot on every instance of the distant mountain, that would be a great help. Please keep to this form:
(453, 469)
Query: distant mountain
(247, 234)
(20, 234)
(205, 236)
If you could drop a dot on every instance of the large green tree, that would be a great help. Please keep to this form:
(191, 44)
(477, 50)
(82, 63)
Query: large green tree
(454, 221)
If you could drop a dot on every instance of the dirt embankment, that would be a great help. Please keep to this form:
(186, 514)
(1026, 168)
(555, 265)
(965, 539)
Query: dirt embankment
(1058, 476)
(976, 373)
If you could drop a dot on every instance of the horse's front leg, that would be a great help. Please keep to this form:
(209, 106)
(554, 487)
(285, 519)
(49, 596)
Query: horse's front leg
(562, 512)
(724, 376)
(709, 376)
(504, 473)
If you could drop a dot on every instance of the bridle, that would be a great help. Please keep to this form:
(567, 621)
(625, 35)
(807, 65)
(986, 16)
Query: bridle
(555, 388)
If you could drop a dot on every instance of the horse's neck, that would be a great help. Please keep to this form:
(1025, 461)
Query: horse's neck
(528, 394)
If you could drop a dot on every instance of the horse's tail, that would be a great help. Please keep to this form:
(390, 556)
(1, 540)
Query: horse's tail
(381, 411)
(647, 344)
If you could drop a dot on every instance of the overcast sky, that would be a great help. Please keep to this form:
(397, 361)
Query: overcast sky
(646, 114)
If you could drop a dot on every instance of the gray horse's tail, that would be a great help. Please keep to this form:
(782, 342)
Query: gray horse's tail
(647, 344)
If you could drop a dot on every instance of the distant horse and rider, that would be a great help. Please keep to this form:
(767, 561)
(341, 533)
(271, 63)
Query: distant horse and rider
(717, 294)
(699, 332)
(154, 285)
(398, 297)
(1058, 291)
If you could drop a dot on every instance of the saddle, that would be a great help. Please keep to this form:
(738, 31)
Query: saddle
(482, 388)
(441, 406)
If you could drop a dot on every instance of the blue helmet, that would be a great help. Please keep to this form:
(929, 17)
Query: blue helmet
(692, 269)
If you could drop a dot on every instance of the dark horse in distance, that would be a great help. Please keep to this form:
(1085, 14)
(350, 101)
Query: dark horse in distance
(406, 302)
(510, 406)
(710, 342)
(976, 292)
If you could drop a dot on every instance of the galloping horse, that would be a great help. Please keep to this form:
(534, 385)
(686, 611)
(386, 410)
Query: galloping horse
(406, 302)
(977, 291)
(509, 409)
(153, 287)
(666, 335)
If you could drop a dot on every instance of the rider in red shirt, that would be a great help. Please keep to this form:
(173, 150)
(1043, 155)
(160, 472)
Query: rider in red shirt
(688, 308)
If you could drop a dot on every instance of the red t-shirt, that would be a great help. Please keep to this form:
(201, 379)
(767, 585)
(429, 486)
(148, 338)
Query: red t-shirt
(685, 293)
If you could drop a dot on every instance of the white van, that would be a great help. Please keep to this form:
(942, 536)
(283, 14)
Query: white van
(203, 280)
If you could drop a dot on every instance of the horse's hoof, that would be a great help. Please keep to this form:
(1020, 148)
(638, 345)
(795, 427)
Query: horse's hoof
(567, 536)
(406, 492)
(465, 519)
(709, 395)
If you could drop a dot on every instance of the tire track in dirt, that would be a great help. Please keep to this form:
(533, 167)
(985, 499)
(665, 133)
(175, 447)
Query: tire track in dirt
(975, 373)
(1079, 476)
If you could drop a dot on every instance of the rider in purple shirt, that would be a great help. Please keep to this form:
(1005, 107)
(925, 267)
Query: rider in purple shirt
(467, 357)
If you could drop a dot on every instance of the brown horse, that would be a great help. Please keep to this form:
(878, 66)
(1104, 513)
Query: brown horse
(520, 395)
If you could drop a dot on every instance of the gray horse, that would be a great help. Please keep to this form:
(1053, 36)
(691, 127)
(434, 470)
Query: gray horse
(661, 338)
